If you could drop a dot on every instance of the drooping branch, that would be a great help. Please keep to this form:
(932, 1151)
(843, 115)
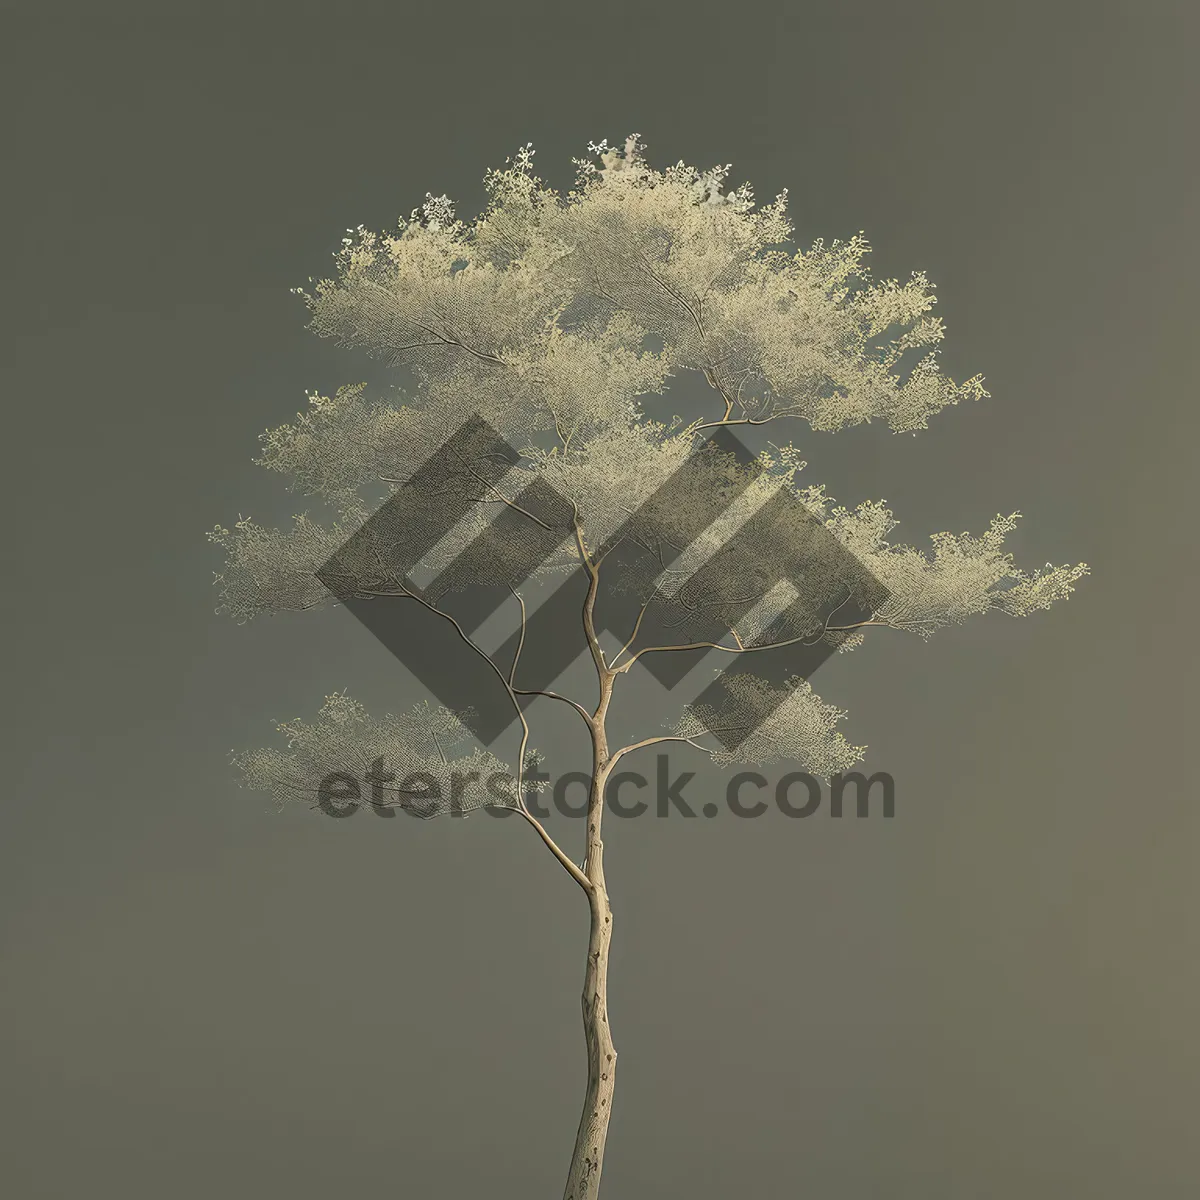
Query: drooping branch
(580, 878)
(555, 849)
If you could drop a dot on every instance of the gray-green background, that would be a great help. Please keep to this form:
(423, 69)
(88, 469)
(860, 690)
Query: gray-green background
(992, 995)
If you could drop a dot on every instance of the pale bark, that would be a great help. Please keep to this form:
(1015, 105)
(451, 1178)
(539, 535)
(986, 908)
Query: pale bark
(587, 1161)
(583, 1179)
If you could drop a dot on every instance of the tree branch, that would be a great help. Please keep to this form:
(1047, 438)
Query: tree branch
(583, 712)
(406, 593)
(589, 603)
(442, 340)
(619, 754)
(575, 873)
(636, 626)
(741, 648)
(738, 421)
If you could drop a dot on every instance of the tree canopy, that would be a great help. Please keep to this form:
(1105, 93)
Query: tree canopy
(556, 318)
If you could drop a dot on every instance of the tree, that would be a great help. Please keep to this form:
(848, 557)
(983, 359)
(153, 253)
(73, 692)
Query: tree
(556, 320)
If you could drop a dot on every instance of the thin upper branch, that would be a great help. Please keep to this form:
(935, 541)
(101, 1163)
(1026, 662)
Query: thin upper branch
(441, 338)
(583, 712)
(650, 741)
(636, 626)
(727, 420)
(744, 649)
(500, 495)
(589, 603)
(406, 593)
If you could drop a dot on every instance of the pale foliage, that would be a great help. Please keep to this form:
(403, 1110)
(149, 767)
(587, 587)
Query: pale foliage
(802, 729)
(344, 738)
(553, 317)
(961, 577)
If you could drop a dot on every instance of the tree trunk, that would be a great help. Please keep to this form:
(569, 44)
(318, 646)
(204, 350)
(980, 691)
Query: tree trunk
(583, 1180)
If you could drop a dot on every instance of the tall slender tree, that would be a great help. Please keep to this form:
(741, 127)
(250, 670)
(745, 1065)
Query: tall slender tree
(556, 320)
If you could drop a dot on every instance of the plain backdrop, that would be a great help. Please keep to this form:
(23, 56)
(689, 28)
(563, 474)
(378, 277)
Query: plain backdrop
(991, 995)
